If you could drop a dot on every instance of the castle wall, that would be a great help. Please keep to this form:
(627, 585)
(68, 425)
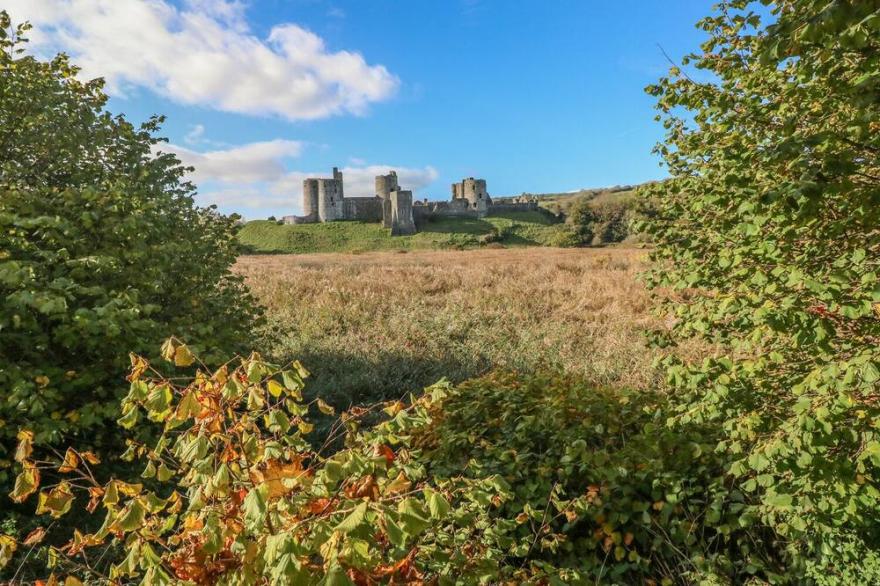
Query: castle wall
(386, 211)
(458, 208)
(365, 209)
(501, 208)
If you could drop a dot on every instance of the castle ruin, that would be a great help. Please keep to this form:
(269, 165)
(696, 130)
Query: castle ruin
(324, 201)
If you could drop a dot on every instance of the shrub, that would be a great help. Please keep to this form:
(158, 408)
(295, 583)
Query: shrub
(770, 221)
(102, 252)
(503, 478)
(604, 222)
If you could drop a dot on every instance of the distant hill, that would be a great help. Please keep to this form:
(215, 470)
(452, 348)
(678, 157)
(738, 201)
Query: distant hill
(562, 202)
(507, 230)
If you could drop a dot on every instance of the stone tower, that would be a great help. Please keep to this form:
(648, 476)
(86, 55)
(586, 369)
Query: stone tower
(402, 223)
(385, 184)
(323, 199)
(475, 193)
(310, 200)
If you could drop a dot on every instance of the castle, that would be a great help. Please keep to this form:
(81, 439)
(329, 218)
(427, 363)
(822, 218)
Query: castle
(324, 201)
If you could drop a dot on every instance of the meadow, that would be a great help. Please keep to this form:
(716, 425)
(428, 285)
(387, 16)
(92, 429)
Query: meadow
(512, 229)
(382, 324)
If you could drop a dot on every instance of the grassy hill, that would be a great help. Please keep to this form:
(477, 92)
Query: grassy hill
(512, 229)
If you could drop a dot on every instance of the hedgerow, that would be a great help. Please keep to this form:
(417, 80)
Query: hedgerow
(769, 228)
(524, 479)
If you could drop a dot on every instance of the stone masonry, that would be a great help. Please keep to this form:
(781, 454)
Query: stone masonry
(324, 201)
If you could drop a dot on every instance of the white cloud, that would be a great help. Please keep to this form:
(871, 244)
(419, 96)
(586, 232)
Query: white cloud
(255, 178)
(195, 135)
(204, 54)
(253, 162)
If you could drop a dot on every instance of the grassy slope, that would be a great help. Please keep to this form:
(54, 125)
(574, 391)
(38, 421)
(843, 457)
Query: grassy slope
(562, 202)
(516, 229)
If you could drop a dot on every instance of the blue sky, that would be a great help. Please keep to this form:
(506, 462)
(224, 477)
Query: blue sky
(531, 95)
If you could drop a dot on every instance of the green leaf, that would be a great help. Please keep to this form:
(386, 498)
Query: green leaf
(255, 507)
(412, 517)
(353, 520)
(131, 517)
(394, 531)
(437, 505)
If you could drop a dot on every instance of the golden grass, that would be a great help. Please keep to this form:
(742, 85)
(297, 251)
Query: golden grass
(379, 324)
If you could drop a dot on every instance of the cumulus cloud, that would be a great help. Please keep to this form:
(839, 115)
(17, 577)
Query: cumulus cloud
(256, 161)
(205, 54)
(255, 179)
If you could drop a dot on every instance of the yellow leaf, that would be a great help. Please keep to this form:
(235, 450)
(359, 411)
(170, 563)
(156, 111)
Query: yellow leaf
(304, 427)
(26, 483)
(25, 445)
(393, 408)
(56, 501)
(72, 581)
(275, 388)
(189, 406)
(7, 548)
(300, 369)
(42, 380)
(398, 485)
(325, 408)
(71, 461)
(167, 350)
(183, 357)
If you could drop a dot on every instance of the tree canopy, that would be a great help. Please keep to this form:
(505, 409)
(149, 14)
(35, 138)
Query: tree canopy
(102, 252)
(768, 229)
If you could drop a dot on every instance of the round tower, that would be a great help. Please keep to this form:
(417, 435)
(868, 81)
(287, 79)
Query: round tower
(385, 184)
(310, 197)
(330, 200)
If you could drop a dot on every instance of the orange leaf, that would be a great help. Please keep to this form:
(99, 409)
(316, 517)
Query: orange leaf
(384, 450)
(71, 461)
(90, 457)
(321, 505)
(35, 536)
(95, 494)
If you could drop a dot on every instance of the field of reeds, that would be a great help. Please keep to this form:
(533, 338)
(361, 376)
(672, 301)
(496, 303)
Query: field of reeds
(382, 324)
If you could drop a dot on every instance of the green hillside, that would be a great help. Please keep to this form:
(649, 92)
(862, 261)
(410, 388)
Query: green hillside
(511, 229)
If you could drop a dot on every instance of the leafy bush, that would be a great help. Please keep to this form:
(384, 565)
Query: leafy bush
(502, 478)
(102, 252)
(769, 224)
(605, 220)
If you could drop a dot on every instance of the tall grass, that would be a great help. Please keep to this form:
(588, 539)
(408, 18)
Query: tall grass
(381, 324)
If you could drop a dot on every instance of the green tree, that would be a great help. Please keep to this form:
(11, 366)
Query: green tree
(102, 252)
(770, 227)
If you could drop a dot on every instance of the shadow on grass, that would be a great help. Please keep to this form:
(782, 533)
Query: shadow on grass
(346, 379)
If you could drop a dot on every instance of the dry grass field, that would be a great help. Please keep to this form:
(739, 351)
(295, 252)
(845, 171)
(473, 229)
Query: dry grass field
(378, 325)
